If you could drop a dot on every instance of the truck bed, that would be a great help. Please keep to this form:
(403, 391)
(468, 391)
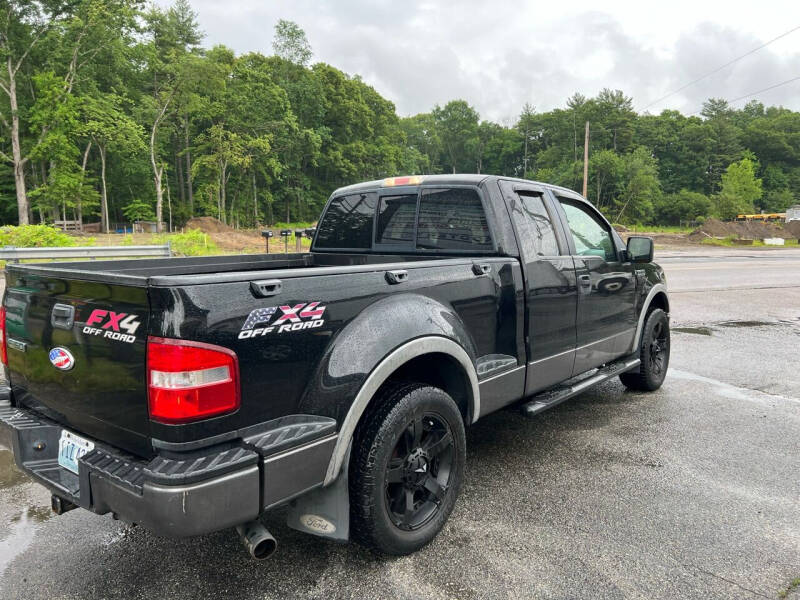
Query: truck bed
(171, 271)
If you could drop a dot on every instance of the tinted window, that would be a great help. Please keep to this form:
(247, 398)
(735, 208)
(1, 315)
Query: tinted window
(536, 233)
(347, 222)
(396, 219)
(591, 235)
(452, 219)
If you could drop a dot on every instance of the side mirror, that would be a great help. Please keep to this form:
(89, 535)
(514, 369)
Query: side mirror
(640, 249)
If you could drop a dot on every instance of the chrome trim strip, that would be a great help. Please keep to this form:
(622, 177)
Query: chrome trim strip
(507, 372)
(551, 357)
(381, 373)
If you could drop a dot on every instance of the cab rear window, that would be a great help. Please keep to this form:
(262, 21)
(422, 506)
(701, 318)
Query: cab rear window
(347, 224)
(447, 219)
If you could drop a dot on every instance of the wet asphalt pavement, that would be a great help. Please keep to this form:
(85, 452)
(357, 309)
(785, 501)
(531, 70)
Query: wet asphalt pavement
(689, 492)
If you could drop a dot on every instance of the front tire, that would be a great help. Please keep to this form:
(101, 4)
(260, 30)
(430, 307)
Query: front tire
(406, 468)
(654, 354)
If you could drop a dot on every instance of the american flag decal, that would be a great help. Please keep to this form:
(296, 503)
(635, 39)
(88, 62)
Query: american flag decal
(259, 316)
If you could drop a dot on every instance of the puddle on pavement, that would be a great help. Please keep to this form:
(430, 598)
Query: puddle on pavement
(700, 330)
(694, 330)
(747, 323)
(9, 474)
(18, 531)
(19, 535)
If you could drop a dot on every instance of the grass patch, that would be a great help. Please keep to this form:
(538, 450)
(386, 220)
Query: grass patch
(659, 229)
(190, 243)
(729, 242)
(294, 225)
(793, 585)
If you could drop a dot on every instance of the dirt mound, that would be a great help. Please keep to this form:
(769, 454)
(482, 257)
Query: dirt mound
(715, 228)
(748, 230)
(793, 227)
(208, 225)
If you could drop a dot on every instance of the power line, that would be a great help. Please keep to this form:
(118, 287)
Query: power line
(766, 89)
(718, 69)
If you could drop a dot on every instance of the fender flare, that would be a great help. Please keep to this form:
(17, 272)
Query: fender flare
(382, 372)
(659, 287)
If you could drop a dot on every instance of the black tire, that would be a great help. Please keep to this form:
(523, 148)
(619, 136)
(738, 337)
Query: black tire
(653, 352)
(409, 450)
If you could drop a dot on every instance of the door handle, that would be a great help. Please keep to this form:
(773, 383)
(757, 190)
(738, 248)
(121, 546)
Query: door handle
(481, 268)
(266, 287)
(63, 316)
(585, 280)
(394, 277)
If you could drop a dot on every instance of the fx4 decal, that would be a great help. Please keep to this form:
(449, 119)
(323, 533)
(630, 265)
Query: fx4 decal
(292, 318)
(112, 325)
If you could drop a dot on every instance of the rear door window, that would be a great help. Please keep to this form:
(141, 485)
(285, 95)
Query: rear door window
(348, 222)
(452, 219)
(536, 233)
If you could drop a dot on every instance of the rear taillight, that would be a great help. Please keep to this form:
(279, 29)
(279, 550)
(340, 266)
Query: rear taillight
(3, 342)
(189, 381)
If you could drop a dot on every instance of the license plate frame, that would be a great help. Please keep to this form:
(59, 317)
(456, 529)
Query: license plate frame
(72, 447)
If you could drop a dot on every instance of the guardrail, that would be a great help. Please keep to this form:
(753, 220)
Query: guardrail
(13, 254)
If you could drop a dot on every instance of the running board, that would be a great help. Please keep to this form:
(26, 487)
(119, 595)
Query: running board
(557, 395)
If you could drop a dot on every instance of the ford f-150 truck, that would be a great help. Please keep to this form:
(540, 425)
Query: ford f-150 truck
(189, 395)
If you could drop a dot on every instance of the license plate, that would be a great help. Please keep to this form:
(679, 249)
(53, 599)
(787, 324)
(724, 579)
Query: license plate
(70, 448)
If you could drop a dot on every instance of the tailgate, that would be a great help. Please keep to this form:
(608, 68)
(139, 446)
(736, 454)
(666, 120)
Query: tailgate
(76, 353)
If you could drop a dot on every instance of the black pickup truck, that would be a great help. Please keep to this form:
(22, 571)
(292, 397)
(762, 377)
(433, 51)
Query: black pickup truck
(189, 395)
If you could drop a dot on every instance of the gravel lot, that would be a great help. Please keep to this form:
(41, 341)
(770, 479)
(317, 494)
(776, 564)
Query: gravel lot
(688, 492)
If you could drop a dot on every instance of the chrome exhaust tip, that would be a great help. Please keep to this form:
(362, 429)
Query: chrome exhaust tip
(258, 541)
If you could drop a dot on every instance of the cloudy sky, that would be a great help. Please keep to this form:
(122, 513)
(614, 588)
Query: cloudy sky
(499, 54)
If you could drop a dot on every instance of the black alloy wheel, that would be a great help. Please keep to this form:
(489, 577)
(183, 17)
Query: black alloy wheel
(418, 473)
(659, 348)
(653, 353)
(406, 467)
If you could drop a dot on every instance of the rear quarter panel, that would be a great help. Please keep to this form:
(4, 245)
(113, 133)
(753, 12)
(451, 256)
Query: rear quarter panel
(319, 370)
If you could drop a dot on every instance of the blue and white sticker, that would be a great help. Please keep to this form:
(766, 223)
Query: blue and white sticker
(62, 359)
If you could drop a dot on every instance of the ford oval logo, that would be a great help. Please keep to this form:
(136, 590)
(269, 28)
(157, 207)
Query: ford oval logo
(62, 359)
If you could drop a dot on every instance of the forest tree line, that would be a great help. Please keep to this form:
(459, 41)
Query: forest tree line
(113, 111)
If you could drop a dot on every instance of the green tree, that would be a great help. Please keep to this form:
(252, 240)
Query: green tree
(641, 189)
(110, 128)
(681, 207)
(291, 44)
(457, 123)
(422, 135)
(725, 146)
(740, 189)
(606, 175)
(61, 38)
(777, 201)
(138, 210)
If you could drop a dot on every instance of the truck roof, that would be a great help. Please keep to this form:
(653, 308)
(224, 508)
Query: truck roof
(450, 179)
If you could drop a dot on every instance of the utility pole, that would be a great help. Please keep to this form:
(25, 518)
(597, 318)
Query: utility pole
(586, 161)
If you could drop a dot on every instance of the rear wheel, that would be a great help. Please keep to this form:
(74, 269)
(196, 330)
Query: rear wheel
(406, 468)
(653, 352)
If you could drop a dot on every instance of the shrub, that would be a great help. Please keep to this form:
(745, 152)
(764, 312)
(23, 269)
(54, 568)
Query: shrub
(191, 243)
(37, 236)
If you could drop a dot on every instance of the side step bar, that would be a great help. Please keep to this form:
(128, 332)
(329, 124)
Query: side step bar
(557, 395)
